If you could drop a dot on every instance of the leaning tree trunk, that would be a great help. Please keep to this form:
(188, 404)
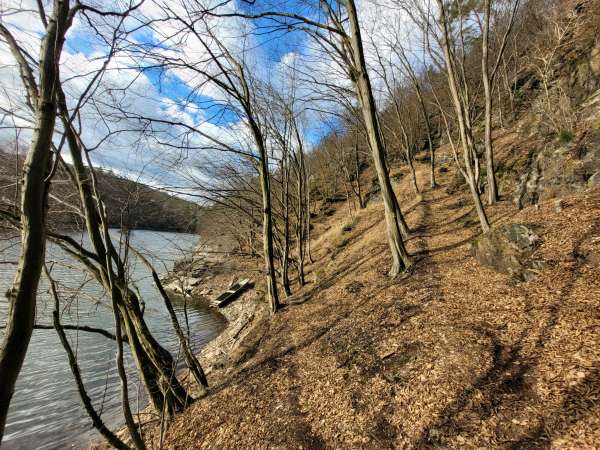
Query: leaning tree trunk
(472, 171)
(155, 364)
(23, 294)
(131, 426)
(393, 216)
(76, 371)
(191, 360)
(466, 137)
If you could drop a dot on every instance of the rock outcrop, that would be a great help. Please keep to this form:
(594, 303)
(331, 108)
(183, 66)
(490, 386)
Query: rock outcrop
(560, 170)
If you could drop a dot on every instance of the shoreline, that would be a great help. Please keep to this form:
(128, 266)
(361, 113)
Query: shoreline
(201, 277)
(212, 269)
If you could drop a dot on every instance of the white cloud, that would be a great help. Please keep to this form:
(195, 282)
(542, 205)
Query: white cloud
(124, 144)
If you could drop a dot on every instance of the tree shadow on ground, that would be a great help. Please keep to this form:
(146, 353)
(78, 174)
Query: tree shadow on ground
(503, 384)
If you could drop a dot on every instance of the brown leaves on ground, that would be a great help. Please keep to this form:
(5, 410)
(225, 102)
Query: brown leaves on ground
(452, 355)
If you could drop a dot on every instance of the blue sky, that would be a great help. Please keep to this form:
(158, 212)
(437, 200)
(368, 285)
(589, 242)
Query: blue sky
(166, 94)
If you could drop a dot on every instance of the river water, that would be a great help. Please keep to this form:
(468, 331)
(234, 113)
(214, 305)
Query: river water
(46, 411)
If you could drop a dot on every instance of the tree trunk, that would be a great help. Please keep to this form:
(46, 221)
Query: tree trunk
(154, 363)
(191, 360)
(23, 294)
(429, 139)
(131, 426)
(302, 213)
(361, 200)
(408, 154)
(285, 257)
(272, 292)
(492, 188)
(413, 174)
(466, 138)
(308, 251)
(75, 370)
(407, 145)
(395, 227)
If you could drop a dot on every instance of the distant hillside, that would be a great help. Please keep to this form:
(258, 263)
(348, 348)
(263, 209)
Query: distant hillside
(129, 203)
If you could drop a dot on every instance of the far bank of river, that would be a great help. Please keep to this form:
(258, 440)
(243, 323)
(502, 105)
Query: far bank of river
(46, 411)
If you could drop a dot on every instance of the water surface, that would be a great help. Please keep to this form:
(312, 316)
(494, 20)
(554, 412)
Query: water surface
(46, 412)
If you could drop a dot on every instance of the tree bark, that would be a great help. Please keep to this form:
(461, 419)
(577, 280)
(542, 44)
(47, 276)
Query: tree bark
(23, 294)
(271, 274)
(361, 200)
(285, 257)
(119, 359)
(308, 250)
(154, 363)
(492, 188)
(466, 137)
(408, 153)
(303, 211)
(433, 183)
(394, 220)
(191, 360)
(75, 370)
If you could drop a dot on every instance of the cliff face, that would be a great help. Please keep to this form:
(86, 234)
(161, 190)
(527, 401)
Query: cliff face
(129, 203)
(564, 160)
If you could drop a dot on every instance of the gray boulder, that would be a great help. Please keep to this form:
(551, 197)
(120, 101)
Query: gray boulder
(508, 249)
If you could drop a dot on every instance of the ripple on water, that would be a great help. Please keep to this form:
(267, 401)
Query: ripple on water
(46, 412)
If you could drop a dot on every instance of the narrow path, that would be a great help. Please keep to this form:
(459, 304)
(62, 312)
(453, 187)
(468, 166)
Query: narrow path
(452, 354)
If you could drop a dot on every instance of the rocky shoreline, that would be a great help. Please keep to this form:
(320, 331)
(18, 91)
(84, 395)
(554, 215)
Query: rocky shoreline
(211, 270)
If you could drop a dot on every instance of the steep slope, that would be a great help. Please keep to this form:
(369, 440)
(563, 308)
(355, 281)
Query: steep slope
(453, 354)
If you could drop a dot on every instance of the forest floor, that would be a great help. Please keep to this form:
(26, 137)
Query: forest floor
(452, 354)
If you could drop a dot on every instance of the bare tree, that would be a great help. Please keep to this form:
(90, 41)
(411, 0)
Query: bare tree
(76, 371)
(107, 265)
(402, 63)
(279, 110)
(558, 33)
(445, 25)
(38, 165)
(229, 73)
(341, 38)
(396, 92)
(489, 76)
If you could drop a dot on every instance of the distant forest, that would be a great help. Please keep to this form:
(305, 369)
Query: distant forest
(130, 204)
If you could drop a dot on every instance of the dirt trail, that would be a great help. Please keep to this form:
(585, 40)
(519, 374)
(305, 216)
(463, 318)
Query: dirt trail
(451, 355)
